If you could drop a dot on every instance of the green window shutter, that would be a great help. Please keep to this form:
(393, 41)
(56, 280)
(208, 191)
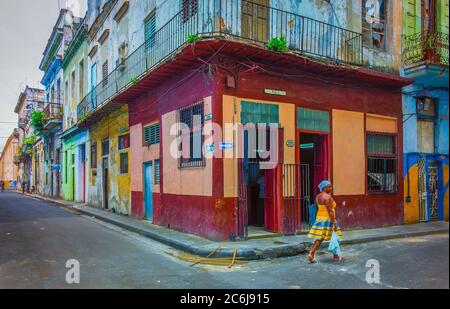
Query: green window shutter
(259, 113)
(411, 17)
(313, 120)
(151, 134)
(442, 16)
(150, 31)
(157, 172)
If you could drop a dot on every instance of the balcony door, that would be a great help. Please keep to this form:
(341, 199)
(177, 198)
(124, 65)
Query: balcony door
(256, 20)
(428, 11)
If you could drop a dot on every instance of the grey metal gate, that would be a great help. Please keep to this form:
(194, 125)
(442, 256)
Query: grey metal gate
(291, 198)
(305, 193)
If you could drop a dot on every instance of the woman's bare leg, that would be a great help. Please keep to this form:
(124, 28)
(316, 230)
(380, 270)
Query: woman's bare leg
(314, 248)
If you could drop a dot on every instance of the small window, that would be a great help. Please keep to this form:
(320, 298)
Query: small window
(190, 8)
(157, 172)
(73, 87)
(374, 23)
(426, 107)
(382, 163)
(93, 155)
(105, 148)
(193, 117)
(124, 163)
(124, 142)
(151, 135)
(105, 74)
(81, 80)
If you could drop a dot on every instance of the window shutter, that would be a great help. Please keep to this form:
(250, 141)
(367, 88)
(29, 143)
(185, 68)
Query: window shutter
(442, 16)
(157, 172)
(150, 31)
(151, 134)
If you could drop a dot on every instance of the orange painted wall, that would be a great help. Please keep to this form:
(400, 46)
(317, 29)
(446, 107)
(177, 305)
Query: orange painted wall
(348, 153)
(379, 123)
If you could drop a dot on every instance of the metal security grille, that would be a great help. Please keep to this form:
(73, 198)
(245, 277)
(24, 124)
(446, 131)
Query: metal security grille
(423, 209)
(193, 117)
(381, 164)
(291, 198)
(151, 134)
(433, 190)
(382, 174)
(124, 163)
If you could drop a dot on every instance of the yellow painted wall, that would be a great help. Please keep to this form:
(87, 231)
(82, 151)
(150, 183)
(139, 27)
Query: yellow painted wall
(412, 209)
(231, 115)
(348, 153)
(379, 123)
(110, 127)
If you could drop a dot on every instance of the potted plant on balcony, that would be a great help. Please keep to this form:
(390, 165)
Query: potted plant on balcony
(38, 120)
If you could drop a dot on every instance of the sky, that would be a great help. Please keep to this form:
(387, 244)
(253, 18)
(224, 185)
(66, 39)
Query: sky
(25, 27)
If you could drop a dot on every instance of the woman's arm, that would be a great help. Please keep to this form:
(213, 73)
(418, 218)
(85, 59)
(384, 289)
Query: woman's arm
(329, 204)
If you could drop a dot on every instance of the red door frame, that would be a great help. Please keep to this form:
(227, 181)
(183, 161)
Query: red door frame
(298, 158)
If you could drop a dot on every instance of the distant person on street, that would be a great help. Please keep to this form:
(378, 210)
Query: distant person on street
(2, 184)
(24, 183)
(326, 222)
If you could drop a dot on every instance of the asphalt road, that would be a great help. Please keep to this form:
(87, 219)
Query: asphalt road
(37, 239)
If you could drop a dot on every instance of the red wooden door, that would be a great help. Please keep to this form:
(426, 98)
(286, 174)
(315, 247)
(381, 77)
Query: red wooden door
(320, 161)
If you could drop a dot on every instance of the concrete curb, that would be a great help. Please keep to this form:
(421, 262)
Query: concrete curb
(243, 251)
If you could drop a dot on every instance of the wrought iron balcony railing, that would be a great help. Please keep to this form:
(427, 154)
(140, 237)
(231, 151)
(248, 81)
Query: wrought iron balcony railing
(430, 47)
(227, 19)
(53, 111)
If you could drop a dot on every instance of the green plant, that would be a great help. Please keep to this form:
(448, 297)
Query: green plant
(30, 140)
(38, 120)
(134, 80)
(193, 38)
(278, 44)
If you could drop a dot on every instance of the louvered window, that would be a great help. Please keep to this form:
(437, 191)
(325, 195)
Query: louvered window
(105, 74)
(190, 8)
(151, 135)
(150, 31)
(157, 172)
(193, 118)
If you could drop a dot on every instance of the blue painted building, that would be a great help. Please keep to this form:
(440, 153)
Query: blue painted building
(425, 105)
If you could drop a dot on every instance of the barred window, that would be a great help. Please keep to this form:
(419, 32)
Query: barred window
(193, 117)
(124, 163)
(150, 31)
(382, 163)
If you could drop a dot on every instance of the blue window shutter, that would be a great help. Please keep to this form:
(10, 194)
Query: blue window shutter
(150, 31)
(151, 134)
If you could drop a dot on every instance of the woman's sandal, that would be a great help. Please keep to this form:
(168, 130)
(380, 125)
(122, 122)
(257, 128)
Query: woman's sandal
(311, 259)
(339, 259)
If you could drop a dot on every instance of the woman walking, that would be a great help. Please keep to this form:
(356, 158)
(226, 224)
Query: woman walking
(326, 222)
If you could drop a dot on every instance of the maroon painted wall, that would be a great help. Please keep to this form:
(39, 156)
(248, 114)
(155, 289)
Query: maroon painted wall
(215, 217)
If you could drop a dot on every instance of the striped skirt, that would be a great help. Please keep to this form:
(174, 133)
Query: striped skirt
(323, 229)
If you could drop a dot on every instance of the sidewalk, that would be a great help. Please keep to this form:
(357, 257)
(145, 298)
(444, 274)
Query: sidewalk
(250, 249)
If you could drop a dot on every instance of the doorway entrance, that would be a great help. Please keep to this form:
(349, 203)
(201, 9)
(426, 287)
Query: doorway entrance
(258, 185)
(313, 153)
(148, 190)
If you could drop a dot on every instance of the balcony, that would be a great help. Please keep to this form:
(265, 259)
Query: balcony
(429, 48)
(231, 20)
(53, 115)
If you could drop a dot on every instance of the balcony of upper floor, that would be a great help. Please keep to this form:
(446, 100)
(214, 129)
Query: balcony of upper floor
(53, 115)
(425, 57)
(264, 29)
